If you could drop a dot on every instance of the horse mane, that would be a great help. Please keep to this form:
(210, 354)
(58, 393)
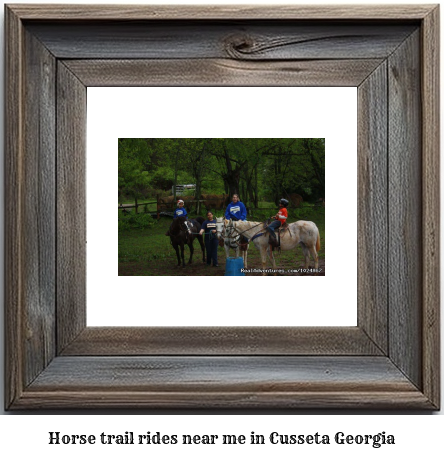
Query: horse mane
(175, 226)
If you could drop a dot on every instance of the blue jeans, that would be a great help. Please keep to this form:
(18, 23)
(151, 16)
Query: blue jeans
(272, 226)
(211, 244)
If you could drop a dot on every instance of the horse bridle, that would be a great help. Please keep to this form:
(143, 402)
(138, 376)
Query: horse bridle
(240, 233)
(233, 239)
(183, 226)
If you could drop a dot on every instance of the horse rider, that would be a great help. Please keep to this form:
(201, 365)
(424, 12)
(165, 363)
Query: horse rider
(180, 211)
(281, 218)
(236, 210)
(211, 241)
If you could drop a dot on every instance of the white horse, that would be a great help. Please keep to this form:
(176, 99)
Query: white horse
(231, 239)
(303, 233)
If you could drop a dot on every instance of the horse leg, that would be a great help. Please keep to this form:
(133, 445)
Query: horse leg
(182, 249)
(227, 251)
(176, 248)
(306, 253)
(202, 246)
(190, 244)
(264, 258)
(271, 256)
(315, 256)
(244, 254)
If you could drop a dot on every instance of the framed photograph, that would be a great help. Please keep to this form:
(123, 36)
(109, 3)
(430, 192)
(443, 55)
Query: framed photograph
(57, 55)
(242, 196)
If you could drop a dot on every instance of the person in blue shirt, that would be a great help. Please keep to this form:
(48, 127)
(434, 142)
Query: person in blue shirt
(180, 211)
(211, 241)
(236, 210)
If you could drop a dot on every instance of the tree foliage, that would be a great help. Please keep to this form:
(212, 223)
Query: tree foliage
(256, 169)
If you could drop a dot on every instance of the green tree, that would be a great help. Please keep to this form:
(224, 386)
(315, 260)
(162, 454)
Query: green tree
(134, 159)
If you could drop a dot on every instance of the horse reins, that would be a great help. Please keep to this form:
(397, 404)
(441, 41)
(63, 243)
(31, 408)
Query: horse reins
(242, 232)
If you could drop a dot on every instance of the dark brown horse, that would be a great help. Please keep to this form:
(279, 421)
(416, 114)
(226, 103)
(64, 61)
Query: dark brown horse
(183, 233)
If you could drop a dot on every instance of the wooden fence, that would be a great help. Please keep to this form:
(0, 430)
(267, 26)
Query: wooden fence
(127, 207)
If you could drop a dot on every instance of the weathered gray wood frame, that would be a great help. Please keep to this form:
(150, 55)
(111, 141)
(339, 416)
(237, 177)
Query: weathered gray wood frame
(390, 360)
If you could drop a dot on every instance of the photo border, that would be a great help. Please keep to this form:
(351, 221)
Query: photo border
(390, 360)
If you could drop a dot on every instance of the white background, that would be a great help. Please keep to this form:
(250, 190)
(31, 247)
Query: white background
(415, 432)
(221, 112)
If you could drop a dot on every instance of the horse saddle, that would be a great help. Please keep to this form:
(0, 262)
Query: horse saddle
(275, 242)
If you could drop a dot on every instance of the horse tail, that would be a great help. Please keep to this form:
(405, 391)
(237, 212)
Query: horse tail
(318, 243)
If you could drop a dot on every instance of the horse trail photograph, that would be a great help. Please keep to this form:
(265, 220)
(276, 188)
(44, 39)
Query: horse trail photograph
(221, 207)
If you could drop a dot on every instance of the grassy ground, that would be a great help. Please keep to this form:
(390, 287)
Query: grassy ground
(147, 251)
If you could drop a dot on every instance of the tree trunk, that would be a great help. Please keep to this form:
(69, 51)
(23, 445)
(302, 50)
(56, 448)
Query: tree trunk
(276, 181)
(176, 167)
(197, 196)
(232, 182)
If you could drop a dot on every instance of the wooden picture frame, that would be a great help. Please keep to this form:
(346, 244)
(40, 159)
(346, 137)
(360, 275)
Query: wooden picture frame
(390, 360)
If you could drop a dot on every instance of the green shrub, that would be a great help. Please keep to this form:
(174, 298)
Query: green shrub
(308, 213)
(133, 221)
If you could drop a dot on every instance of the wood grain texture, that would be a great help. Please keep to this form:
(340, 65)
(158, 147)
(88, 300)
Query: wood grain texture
(89, 374)
(431, 205)
(234, 382)
(220, 12)
(91, 399)
(38, 221)
(219, 72)
(13, 207)
(405, 208)
(233, 40)
(372, 207)
(127, 341)
(71, 206)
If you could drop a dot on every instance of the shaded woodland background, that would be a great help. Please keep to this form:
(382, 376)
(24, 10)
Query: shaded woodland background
(259, 170)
